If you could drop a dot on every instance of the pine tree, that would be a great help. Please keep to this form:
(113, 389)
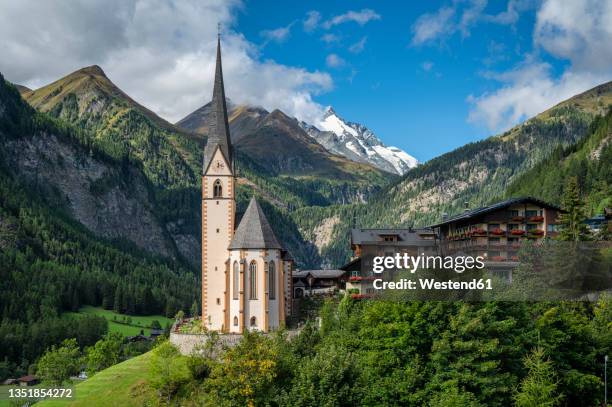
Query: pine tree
(539, 387)
(573, 227)
(195, 309)
(117, 302)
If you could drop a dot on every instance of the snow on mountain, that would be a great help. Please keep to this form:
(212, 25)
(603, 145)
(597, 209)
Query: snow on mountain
(358, 143)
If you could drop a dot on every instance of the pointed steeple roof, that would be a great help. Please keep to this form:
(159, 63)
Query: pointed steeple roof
(219, 135)
(254, 231)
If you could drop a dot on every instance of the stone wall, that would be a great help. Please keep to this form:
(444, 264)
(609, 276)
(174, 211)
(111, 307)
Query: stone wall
(187, 342)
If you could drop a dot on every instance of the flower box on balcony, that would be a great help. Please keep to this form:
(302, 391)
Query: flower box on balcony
(536, 218)
(536, 232)
(498, 258)
(518, 218)
(355, 278)
(497, 231)
(514, 258)
(517, 232)
(478, 231)
(357, 296)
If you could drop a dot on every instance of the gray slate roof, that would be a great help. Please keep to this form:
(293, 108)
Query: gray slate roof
(407, 237)
(318, 273)
(497, 206)
(218, 135)
(254, 231)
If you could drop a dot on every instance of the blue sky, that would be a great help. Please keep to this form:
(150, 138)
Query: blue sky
(413, 93)
(424, 76)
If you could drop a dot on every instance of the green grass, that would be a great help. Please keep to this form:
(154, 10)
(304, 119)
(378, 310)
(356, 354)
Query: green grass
(138, 322)
(124, 384)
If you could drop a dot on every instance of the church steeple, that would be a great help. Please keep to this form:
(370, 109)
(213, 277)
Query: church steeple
(218, 135)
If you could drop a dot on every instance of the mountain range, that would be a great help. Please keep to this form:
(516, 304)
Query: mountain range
(358, 143)
(311, 192)
(338, 136)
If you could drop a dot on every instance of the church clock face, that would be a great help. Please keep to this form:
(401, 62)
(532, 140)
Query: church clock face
(218, 165)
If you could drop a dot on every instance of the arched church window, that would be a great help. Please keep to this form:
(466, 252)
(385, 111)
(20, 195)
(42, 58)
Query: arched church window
(217, 189)
(235, 321)
(253, 321)
(272, 280)
(236, 290)
(253, 280)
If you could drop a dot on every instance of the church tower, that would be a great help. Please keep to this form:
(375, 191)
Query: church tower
(218, 208)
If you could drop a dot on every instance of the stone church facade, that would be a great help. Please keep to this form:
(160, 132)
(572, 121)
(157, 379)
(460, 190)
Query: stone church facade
(246, 272)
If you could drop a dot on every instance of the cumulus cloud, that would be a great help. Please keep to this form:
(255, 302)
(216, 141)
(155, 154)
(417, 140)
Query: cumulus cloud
(159, 52)
(357, 47)
(360, 17)
(334, 61)
(578, 32)
(312, 20)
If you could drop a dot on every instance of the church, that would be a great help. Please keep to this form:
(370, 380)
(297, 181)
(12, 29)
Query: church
(246, 272)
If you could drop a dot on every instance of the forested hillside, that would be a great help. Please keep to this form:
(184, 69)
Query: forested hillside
(476, 174)
(49, 263)
(589, 160)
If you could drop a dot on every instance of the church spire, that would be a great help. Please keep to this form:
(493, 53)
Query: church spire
(218, 134)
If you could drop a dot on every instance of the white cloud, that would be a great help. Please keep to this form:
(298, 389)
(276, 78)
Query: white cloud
(579, 32)
(334, 61)
(357, 47)
(430, 27)
(312, 20)
(460, 17)
(161, 53)
(280, 34)
(427, 65)
(360, 17)
(330, 38)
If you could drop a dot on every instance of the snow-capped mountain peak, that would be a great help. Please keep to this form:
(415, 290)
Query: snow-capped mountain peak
(358, 143)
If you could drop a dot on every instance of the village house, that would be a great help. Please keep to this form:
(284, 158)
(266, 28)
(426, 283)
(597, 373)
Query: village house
(495, 232)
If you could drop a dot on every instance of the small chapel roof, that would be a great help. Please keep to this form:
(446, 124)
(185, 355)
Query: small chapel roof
(254, 231)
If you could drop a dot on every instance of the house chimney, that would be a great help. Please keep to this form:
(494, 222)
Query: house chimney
(466, 205)
(444, 216)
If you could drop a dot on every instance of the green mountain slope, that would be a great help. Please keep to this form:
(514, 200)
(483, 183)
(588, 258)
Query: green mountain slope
(50, 263)
(589, 160)
(474, 174)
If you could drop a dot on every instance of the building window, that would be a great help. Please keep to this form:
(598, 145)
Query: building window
(272, 280)
(236, 291)
(512, 226)
(514, 213)
(531, 226)
(253, 280)
(235, 321)
(551, 227)
(217, 190)
(530, 213)
(218, 301)
(253, 321)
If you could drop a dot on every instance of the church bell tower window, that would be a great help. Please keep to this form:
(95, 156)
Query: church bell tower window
(217, 189)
